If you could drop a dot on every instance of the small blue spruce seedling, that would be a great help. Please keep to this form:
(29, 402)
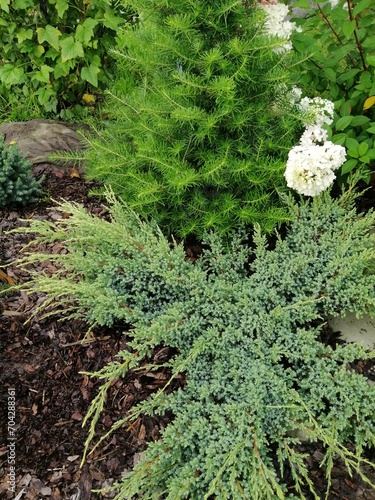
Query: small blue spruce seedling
(17, 184)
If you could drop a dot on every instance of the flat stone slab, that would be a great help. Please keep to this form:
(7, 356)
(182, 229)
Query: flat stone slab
(37, 139)
(352, 329)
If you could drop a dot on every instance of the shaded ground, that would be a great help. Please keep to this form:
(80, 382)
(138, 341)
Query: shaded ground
(42, 361)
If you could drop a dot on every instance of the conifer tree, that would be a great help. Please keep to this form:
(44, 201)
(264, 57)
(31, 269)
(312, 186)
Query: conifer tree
(198, 136)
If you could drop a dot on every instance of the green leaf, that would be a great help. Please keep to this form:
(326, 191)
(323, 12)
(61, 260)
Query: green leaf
(50, 35)
(348, 166)
(346, 108)
(85, 31)
(339, 139)
(365, 159)
(359, 120)
(61, 69)
(23, 34)
(111, 20)
(302, 4)
(330, 74)
(10, 75)
(363, 148)
(46, 97)
(371, 130)
(61, 7)
(22, 4)
(4, 5)
(90, 74)
(343, 122)
(347, 75)
(348, 28)
(43, 74)
(371, 60)
(37, 50)
(353, 146)
(361, 6)
(70, 49)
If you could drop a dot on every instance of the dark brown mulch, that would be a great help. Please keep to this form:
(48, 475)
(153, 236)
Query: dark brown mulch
(42, 361)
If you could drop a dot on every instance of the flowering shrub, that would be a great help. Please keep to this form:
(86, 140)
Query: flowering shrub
(310, 166)
(336, 42)
(277, 24)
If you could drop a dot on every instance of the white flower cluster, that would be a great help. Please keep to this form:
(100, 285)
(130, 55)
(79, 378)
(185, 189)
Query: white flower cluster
(317, 110)
(277, 24)
(311, 164)
(309, 169)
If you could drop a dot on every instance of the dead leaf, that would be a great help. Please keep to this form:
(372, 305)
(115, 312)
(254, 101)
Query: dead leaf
(369, 102)
(142, 433)
(5, 278)
(30, 368)
(74, 173)
(76, 416)
(88, 99)
(58, 173)
(34, 409)
(96, 474)
(351, 485)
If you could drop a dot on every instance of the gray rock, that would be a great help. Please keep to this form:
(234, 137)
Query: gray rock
(37, 139)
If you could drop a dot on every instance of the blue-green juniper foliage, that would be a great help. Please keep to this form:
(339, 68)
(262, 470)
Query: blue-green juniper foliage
(246, 328)
(17, 184)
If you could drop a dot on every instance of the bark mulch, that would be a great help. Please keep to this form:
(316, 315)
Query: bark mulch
(43, 360)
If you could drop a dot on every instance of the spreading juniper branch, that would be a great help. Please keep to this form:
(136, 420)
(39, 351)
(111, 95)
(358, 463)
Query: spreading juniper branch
(246, 327)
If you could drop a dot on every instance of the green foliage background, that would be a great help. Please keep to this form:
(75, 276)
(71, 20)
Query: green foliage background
(338, 45)
(52, 52)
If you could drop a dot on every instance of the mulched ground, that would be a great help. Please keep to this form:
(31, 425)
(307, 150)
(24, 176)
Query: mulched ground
(42, 361)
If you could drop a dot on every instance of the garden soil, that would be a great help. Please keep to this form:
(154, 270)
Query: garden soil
(44, 360)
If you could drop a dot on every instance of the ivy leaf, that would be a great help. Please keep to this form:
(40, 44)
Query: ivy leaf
(50, 35)
(4, 5)
(43, 74)
(23, 35)
(47, 98)
(111, 20)
(70, 49)
(369, 102)
(9, 75)
(61, 69)
(61, 7)
(90, 74)
(85, 31)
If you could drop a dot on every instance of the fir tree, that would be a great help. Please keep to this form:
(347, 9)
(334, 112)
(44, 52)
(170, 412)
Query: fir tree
(198, 138)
